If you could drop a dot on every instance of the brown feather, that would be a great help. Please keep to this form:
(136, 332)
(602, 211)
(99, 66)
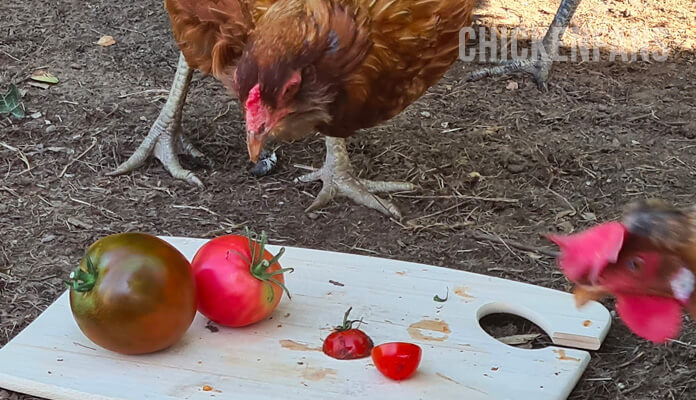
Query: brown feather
(659, 226)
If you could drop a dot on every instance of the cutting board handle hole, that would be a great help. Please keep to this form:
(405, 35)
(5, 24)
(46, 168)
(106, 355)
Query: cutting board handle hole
(515, 331)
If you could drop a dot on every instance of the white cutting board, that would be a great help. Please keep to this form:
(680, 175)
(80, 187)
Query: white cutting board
(277, 359)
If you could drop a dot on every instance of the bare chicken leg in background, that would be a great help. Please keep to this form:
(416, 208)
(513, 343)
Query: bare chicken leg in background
(338, 178)
(540, 68)
(166, 141)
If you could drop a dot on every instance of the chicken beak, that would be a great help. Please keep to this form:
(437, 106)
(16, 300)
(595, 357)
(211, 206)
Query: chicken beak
(585, 294)
(255, 142)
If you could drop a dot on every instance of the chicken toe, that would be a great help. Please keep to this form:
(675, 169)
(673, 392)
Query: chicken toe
(339, 179)
(539, 68)
(165, 140)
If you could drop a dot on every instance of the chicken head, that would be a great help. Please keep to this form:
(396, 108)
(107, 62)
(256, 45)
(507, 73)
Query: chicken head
(650, 287)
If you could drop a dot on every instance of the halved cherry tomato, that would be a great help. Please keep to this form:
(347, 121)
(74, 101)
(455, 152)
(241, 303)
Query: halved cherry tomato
(239, 282)
(133, 293)
(346, 342)
(397, 360)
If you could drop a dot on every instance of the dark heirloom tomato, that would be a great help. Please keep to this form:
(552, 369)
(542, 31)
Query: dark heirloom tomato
(133, 293)
(346, 342)
(239, 282)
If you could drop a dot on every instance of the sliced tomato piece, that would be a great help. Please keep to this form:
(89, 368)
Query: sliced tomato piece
(397, 360)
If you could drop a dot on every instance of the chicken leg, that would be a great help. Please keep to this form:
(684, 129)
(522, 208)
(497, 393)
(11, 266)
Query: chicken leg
(339, 179)
(165, 140)
(540, 68)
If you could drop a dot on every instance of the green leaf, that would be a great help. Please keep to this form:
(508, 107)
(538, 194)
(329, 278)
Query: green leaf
(440, 299)
(9, 102)
(44, 76)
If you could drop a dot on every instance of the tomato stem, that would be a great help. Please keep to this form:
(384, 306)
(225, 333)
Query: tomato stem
(259, 265)
(348, 324)
(81, 280)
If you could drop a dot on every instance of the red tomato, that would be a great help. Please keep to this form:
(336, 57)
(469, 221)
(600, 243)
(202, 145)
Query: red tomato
(239, 282)
(347, 343)
(397, 360)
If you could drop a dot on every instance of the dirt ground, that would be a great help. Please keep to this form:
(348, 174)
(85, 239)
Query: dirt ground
(498, 166)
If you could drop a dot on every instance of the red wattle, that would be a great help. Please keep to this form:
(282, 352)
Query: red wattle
(657, 319)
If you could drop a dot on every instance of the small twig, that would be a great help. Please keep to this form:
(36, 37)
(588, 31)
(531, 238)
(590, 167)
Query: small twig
(20, 154)
(306, 167)
(627, 363)
(25, 160)
(359, 248)
(8, 278)
(223, 113)
(508, 247)
(461, 196)
(123, 96)
(632, 389)
(491, 238)
(131, 30)
(10, 55)
(452, 226)
(639, 117)
(435, 213)
(86, 347)
(227, 221)
(65, 169)
(683, 343)
(574, 211)
(42, 279)
(196, 208)
(92, 205)
(10, 191)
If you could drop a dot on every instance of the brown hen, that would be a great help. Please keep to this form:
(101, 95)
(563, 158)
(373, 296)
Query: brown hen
(304, 66)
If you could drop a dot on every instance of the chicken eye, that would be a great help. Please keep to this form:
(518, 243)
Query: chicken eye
(634, 264)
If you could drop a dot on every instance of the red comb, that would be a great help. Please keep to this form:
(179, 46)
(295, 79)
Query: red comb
(585, 254)
(255, 116)
(253, 100)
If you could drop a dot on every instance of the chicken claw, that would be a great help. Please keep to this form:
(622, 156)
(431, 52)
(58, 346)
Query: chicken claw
(165, 140)
(339, 179)
(540, 68)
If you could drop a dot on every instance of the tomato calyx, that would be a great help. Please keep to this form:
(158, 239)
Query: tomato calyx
(348, 324)
(259, 265)
(81, 280)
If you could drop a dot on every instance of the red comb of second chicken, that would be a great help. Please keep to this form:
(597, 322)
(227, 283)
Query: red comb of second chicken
(585, 254)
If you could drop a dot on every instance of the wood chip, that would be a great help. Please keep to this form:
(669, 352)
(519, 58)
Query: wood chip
(39, 84)
(518, 339)
(106, 41)
(47, 238)
(78, 223)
